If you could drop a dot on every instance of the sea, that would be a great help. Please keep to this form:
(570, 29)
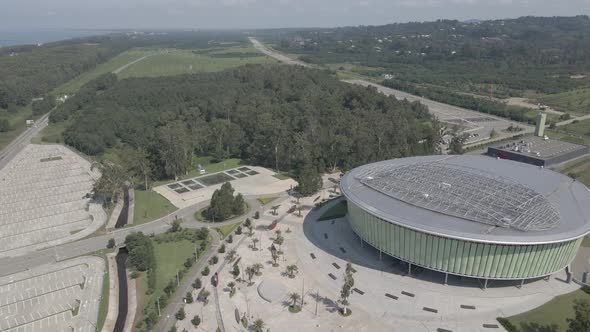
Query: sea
(42, 36)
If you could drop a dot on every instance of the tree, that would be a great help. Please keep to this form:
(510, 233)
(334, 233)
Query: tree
(230, 256)
(111, 243)
(294, 297)
(111, 181)
(224, 205)
(205, 271)
(180, 315)
(232, 288)
(4, 125)
(275, 257)
(174, 148)
(250, 271)
(346, 288)
(141, 251)
(457, 141)
(292, 270)
(258, 325)
(239, 205)
(257, 267)
(197, 283)
(236, 271)
(189, 297)
(196, 320)
(204, 296)
(175, 227)
(239, 230)
(493, 133)
(581, 320)
(139, 165)
(230, 239)
(308, 179)
(254, 241)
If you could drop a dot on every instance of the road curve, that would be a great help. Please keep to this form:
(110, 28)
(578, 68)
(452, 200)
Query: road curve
(22, 140)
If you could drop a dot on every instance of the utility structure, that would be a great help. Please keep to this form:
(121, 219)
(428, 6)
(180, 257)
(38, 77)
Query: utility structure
(470, 216)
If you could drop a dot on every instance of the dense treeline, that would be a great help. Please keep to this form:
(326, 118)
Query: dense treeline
(508, 56)
(274, 116)
(463, 100)
(28, 72)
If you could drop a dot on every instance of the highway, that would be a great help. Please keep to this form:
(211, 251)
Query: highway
(22, 140)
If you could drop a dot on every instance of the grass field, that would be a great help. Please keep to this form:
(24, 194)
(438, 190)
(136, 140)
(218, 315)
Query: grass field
(171, 256)
(107, 67)
(550, 317)
(337, 211)
(575, 101)
(104, 298)
(225, 230)
(578, 132)
(579, 167)
(266, 200)
(149, 205)
(176, 62)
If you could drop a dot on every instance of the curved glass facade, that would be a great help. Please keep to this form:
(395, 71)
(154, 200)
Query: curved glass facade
(459, 257)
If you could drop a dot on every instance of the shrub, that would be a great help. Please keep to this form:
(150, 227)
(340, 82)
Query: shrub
(111, 244)
(196, 320)
(205, 271)
(189, 297)
(134, 275)
(221, 249)
(180, 315)
(239, 230)
(188, 263)
(197, 283)
(507, 325)
(230, 239)
(213, 260)
(256, 215)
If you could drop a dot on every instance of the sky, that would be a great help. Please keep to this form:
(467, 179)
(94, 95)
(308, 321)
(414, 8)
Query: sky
(250, 14)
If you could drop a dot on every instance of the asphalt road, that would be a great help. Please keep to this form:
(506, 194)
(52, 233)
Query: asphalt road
(22, 140)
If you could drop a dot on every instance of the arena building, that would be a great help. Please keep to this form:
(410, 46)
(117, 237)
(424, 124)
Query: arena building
(469, 216)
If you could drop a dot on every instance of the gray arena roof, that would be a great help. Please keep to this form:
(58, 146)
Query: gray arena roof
(473, 198)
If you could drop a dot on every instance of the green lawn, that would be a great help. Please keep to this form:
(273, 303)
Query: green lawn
(337, 211)
(576, 101)
(225, 230)
(176, 62)
(107, 67)
(170, 256)
(551, 316)
(580, 167)
(266, 200)
(149, 205)
(281, 176)
(578, 132)
(104, 300)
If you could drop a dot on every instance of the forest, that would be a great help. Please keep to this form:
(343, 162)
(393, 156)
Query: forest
(500, 57)
(31, 71)
(293, 119)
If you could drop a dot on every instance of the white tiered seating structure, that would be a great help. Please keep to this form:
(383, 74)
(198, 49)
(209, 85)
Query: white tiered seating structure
(45, 201)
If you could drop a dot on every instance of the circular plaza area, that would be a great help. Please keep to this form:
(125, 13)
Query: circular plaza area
(470, 216)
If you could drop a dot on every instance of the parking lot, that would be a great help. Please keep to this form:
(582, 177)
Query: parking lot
(44, 199)
(64, 296)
